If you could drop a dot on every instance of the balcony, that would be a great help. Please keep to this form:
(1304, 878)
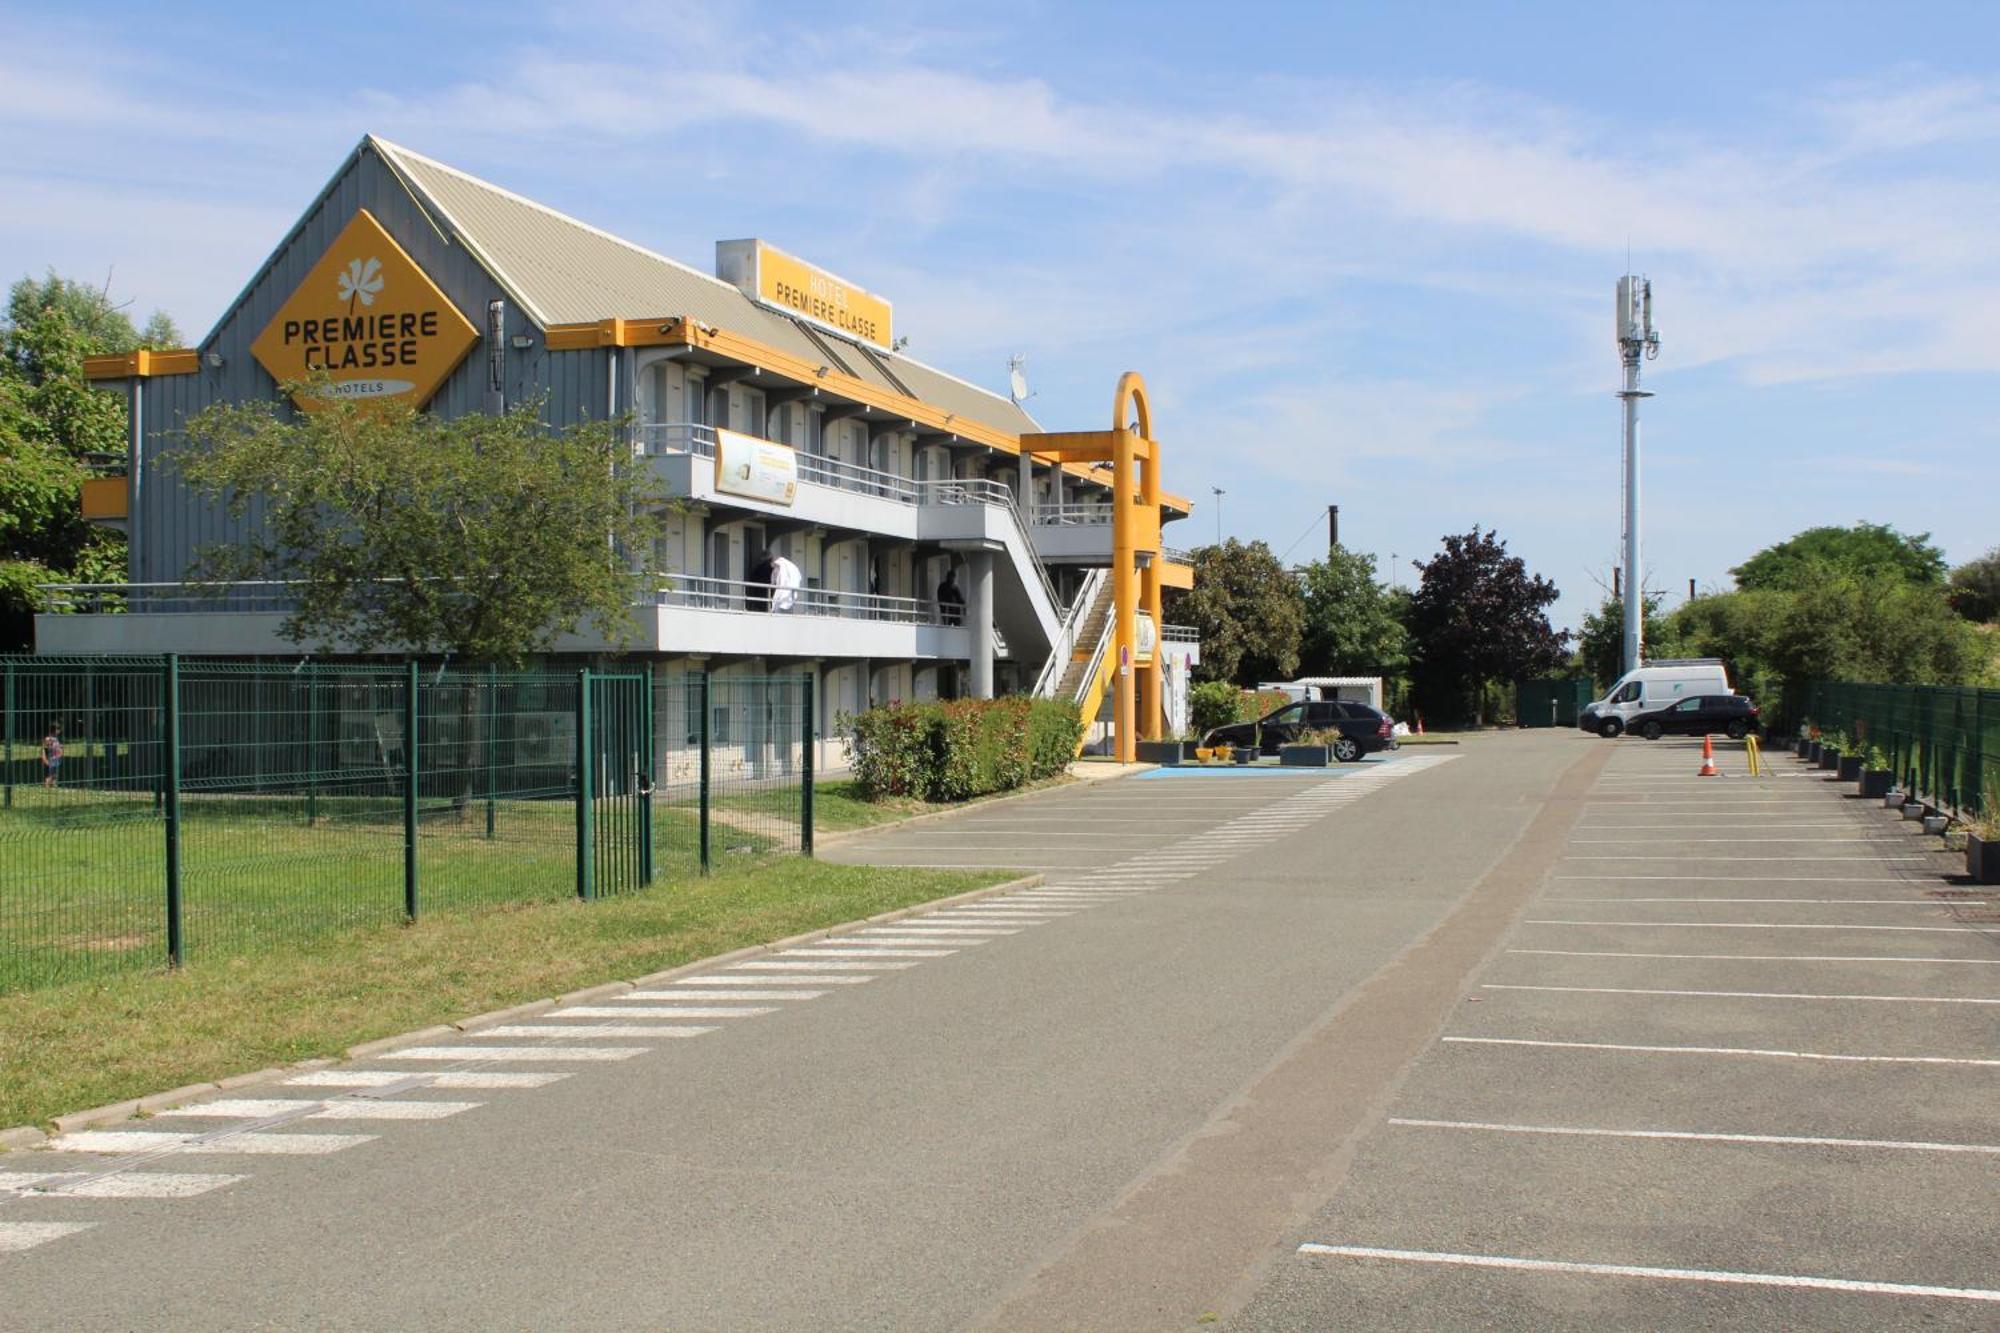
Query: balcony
(717, 617)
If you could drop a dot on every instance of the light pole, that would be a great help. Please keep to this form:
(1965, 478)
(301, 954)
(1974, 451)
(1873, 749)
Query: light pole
(1219, 493)
(1636, 339)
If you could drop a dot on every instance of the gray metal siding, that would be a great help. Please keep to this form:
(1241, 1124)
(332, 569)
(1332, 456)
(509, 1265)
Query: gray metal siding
(171, 525)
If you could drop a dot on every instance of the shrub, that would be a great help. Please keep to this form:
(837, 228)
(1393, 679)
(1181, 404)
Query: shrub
(1212, 704)
(950, 751)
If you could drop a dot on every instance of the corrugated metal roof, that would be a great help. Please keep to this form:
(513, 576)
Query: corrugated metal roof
(567, 272)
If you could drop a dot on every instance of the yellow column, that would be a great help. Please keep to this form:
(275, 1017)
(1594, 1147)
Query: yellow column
(1125, 594)
(1150, 692)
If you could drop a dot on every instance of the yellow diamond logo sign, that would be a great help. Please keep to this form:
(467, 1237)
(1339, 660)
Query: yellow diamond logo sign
(370, 320)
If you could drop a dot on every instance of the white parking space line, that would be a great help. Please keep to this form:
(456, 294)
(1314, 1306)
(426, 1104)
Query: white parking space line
(724, 979)
(263, 1108)
(587, 1031)
(1834, 1057)
(118, 1185)
(1761, 925)
(657, 1011)
(1790, 860)
(465, 1080)
(1677, 841)
(1742, 879)
(366, 1109)
(1824, 902)
(522, 1054)
(119, 1141)
(17, 1236)
(823, 967)
(1718, 1276)
(879, 951)
(653, 996)
(1697, 1136)
(1745, 994)
(968, 934)
(1752, 957)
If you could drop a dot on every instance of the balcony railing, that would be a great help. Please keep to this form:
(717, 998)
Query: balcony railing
(1089, 514)
(706, 594)
(1180, 634)
(1179, 555)
(688, 590)
(682, 437)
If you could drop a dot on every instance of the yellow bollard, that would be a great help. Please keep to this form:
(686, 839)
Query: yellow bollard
(1756, 756)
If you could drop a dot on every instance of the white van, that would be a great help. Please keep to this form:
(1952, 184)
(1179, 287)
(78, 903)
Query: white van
(1655, 685)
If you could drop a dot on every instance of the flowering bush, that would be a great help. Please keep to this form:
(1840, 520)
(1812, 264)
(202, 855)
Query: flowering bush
(949, 751)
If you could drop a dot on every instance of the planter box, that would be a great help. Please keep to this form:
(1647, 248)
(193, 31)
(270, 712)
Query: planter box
(1164, 752)
(1305, 756)
(1244, 754)
(1829, 759)
(1875, 783)
(1813, 749)
(1850, 768)
(1982, 859)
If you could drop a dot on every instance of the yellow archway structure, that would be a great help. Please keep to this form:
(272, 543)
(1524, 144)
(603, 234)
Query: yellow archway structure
(1134, 456)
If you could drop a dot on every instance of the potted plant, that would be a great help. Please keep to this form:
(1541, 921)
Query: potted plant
(1982, 841)
(1830, 749)
(1313, 749)
(1875, 776)
(1244, 754)
(1803, 742)
(1162, 752)
(1850, 766)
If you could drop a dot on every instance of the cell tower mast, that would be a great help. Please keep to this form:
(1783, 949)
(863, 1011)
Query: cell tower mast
(1637, 341)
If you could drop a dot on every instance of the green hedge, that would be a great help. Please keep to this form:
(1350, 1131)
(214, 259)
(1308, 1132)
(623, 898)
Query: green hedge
(949, 751)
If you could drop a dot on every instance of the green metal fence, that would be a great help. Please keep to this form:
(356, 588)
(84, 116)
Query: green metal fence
(202, 808)
(1942, 741)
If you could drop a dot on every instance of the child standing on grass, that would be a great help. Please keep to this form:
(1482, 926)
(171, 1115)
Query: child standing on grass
(52, 754)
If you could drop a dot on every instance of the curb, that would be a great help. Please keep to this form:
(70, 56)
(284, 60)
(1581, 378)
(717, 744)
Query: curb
(30, 1136)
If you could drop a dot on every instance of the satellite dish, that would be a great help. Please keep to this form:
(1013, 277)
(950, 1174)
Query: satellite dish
(1017, 383)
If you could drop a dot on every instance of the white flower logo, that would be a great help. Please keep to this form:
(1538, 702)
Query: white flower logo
(361, 282)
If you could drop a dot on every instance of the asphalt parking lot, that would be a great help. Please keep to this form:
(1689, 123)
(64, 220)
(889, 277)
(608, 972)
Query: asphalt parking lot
(1100, 824)
(1735, 1067)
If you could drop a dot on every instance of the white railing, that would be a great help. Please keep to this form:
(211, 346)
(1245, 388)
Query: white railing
(1180, 634)
(1179, 555)
(706, 594)
(692, 438)
(1092, 513)
(1064, 647)
(693, 591)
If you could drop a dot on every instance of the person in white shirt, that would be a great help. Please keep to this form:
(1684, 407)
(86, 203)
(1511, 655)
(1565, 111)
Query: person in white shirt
(786, 580)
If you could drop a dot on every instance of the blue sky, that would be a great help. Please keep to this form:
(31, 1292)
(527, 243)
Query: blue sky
(1364, 255)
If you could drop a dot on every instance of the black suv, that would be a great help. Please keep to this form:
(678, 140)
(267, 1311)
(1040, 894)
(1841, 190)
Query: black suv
(1731, 714)
(1363, 730)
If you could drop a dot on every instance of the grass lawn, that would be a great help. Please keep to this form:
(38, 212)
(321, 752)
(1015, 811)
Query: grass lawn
(102, 1040)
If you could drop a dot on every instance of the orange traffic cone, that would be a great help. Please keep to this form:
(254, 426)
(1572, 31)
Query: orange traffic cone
(1708, 769)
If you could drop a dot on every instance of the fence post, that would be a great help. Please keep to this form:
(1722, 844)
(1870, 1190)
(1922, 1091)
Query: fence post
(411, 762)
(170, 781)
(7, 725)
(706, 723)
(648, 765)
(586, 885)
(492, 742)
(806, 766)
(312, 747)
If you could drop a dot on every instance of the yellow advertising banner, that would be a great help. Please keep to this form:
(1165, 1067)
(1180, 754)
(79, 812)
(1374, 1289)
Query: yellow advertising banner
(755, 469)
(784, 280)
(368, 318)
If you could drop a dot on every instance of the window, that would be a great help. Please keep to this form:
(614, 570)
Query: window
(1292, 713)
(1689, 705)
(1320, 715)
(1630, 694)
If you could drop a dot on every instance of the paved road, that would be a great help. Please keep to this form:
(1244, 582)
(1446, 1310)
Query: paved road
(1735, 1068)
(1122, 1101)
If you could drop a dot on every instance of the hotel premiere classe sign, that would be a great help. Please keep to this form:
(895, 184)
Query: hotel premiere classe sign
(367, 317)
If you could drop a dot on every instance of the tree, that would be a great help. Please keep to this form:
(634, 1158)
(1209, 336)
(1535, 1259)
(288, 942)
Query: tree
(101, 323)
(1864, 550)
(1478, 618)
(486, 537)
(1975, 588)
(54, 429)
(1351, 622)
(1600, 643)
(1249, 611)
